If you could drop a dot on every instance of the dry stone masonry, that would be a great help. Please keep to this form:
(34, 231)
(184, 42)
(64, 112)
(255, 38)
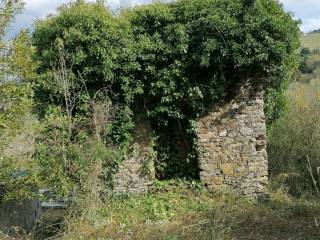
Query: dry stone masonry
(232, 141)
(136, 173)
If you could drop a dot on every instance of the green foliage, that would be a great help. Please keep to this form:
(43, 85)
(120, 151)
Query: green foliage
(98, 51)
(170, 61)
(8, 10)
(66, 165)
(18, 173)
(276, 103)
(177, 150)
(188, 48)
(19, 181)
(51, 152)
(15, 87)
(15, 102)
(305, 52)
(21, 59)
(182, 51)
(85, 157)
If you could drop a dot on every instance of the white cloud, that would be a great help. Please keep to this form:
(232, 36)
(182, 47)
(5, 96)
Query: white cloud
(311, 24)
(306, 10)
(35, 9)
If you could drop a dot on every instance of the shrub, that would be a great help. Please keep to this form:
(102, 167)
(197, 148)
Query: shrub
(305, 52)
(97, 50)
(66, 165)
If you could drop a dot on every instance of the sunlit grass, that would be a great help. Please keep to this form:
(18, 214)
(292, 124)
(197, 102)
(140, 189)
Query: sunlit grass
(311, 40)
(189, 213)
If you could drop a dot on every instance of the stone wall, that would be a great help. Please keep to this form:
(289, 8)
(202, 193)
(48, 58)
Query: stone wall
(232, 141)
(136, 173)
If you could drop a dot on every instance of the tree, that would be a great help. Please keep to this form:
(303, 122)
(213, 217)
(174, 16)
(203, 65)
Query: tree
(16, 72)
(100, 55)
(8, 10)
(15, 65)
(15, 89)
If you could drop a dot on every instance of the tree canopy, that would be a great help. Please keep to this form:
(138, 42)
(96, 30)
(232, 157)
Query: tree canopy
(8, 8)
(16, 65)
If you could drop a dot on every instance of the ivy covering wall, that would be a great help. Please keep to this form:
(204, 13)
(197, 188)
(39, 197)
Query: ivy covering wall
(171, 62)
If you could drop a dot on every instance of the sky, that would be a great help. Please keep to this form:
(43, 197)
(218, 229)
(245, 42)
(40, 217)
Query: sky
(306, 10)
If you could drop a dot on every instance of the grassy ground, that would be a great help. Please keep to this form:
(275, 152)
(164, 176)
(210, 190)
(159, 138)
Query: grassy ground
(186, 211)
(311, 40)
(174, 212)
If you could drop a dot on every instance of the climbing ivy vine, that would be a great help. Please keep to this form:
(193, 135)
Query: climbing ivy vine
(171, 62)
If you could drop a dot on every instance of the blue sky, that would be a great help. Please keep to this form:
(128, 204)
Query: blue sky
(306, 10)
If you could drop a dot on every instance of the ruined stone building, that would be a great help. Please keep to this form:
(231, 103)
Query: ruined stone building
(232, 143)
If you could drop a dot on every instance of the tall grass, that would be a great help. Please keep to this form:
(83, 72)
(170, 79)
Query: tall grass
(294, 143)
(178, 211)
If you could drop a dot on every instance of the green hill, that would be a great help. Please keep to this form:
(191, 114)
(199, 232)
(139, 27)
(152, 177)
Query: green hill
(311, 40)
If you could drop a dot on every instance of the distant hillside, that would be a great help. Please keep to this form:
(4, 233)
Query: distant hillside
(311, 40)
(316, 31)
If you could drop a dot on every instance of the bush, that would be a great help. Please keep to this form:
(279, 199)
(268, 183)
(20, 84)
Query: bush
(305, 52)
(97, 50)
(18, 182)
(66, 165)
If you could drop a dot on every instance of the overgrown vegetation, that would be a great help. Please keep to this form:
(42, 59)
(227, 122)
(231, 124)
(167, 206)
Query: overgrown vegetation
(177, 210)
(87, 74)
(182, 210)
(170, 62)
(16, 72)
(294, 139)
